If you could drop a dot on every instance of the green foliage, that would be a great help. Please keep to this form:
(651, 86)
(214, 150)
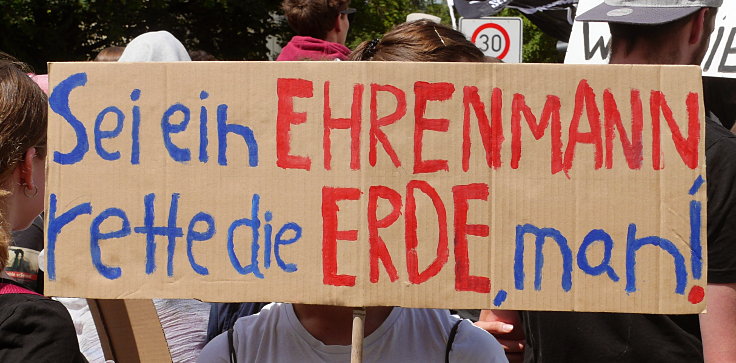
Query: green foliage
(376, 17)
(40, 31)
(538, 46)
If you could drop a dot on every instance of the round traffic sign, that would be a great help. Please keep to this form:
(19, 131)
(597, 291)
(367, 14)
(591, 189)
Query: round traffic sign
(494, 38)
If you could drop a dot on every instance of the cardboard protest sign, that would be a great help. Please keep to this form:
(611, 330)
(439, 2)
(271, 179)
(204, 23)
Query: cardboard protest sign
(543, 187)
(129, 330)
(590, 42)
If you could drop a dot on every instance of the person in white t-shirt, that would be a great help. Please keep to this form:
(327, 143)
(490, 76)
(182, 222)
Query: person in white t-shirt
(319, 333)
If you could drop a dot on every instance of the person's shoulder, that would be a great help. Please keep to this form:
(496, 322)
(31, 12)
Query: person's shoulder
(21, 311)
(247, 332)
(216, 351)
(720, 148)
(270, 311)
(22, 303)
(254, 327)
(473, 344)
(718, 138)
(40, 325)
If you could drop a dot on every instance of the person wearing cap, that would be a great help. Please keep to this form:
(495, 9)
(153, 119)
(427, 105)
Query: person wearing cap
(651, 32)
(321, 28)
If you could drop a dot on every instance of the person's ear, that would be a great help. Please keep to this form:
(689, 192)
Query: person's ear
(697, 26)
(338, 24)
(26, 169)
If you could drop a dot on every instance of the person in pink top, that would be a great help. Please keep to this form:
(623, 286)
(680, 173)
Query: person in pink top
(321, 27)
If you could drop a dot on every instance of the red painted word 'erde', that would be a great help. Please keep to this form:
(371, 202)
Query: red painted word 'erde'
(378, 251)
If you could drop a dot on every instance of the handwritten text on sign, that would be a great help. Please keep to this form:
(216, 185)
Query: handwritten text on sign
(472, 185)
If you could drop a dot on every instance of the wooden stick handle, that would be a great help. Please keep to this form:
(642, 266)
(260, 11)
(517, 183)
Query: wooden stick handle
(356, 351)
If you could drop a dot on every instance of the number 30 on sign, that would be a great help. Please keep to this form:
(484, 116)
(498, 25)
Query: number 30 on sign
(499, 37)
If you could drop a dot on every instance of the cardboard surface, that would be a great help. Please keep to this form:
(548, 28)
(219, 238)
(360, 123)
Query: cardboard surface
(129, 331)
(359, 184)
(590, 43)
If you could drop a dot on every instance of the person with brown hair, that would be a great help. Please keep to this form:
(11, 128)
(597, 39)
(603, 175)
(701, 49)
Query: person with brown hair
(109, 54)
(33, 328)
(321, 28)
(419, 41)
(200, 55)
(322, 333)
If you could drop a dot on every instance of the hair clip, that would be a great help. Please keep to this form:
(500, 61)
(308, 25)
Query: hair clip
(370, 49)
(439, 36)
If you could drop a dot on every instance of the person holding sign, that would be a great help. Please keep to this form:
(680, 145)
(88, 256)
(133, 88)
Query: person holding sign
(321, 333)
(321, 28)
(657, 32)
(33, 328)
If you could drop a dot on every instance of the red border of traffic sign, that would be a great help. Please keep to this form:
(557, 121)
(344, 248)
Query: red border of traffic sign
(503, 31)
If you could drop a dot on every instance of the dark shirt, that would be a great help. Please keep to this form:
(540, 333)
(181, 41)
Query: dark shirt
(34, 328)
(612, 337)
(720, 153)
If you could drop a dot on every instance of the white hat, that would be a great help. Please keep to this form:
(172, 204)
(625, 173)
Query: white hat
(419, 16)
(158, 46)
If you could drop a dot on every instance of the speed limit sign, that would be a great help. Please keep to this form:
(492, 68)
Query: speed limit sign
(500, 37)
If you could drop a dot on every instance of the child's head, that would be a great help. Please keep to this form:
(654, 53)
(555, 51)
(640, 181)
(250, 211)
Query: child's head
(109, 54)
(313, 18)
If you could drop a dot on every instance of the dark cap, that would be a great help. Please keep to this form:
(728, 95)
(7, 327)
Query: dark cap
(645, 11)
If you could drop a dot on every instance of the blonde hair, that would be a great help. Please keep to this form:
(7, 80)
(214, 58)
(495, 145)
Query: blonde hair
(22, 126)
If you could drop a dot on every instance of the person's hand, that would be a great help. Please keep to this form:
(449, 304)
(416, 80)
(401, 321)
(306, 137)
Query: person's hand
(717, 325)
(506, 326)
